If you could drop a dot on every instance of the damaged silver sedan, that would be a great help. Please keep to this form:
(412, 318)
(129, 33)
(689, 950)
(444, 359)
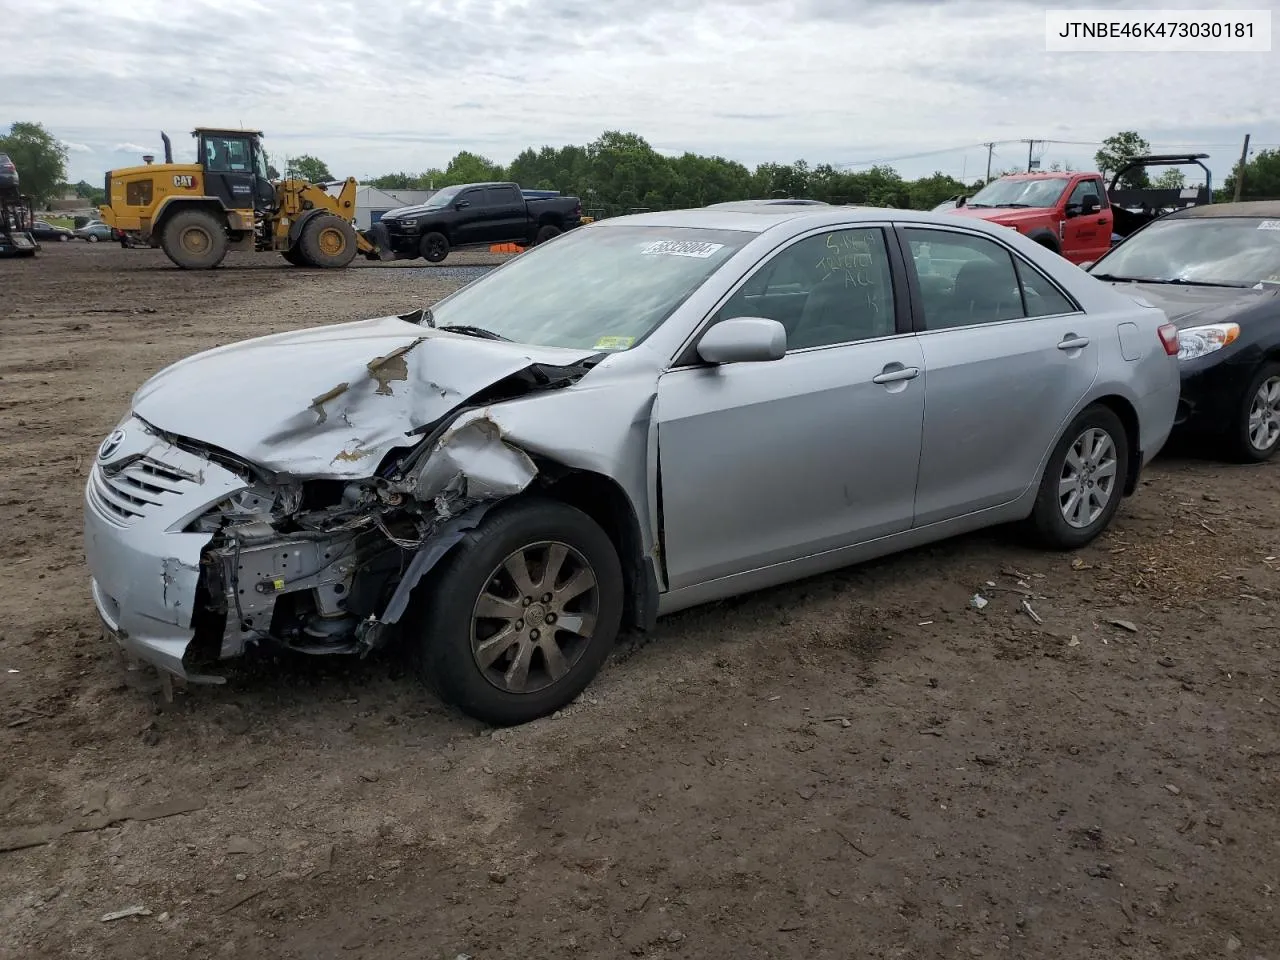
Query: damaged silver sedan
(645, 414)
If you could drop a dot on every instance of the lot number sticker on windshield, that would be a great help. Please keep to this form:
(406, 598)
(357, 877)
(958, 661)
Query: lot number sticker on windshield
(682, 248)
(1269, 225)
(614, 343)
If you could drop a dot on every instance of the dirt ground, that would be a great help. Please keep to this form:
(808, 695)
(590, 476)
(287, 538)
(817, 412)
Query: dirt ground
(859, 765)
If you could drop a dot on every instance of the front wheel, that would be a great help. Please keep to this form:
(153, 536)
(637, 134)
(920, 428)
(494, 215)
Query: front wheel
(63, 238)
(520, 618)
(328, 241)
(1083, 481)
(434, 247)
(1255, 435)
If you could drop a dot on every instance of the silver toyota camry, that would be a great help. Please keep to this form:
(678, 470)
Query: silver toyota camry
(644, 414)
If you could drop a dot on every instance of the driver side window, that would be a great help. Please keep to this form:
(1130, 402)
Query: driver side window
(1086, 188)
(831, 288)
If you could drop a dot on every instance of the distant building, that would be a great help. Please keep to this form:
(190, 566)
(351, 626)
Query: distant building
(372, 203)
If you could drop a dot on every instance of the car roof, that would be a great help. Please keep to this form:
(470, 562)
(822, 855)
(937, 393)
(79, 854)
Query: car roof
(759, 218)
(1246, 208)
(749, 205)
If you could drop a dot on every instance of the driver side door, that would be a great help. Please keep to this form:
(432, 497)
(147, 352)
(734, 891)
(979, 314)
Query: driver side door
(1087, 236)
(763, 463)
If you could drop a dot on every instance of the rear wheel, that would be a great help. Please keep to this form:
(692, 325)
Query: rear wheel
(1083, 482)
(63, 237)
(195, 240)
(434, 247)
(327, 241)
(1255, 435)
(548, 232)
(92, 238)
(518, 620)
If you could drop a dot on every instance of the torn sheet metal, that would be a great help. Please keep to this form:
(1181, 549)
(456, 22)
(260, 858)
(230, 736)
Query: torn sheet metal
(472, 460)
(331, 401)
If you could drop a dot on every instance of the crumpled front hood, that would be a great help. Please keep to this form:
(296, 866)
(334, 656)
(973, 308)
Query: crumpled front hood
(330, 401)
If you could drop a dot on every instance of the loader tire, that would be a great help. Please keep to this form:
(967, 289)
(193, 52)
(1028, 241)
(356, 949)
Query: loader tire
(294, 256)
(195, 240)
(327, 241)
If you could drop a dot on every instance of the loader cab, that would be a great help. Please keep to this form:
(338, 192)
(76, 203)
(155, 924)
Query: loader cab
(235, 168)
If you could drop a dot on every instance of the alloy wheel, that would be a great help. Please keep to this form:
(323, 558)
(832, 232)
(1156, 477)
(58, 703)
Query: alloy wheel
(535, 617)
(1088, 478)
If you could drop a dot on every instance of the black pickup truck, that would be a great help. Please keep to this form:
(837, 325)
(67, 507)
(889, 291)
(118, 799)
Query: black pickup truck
(469, 215)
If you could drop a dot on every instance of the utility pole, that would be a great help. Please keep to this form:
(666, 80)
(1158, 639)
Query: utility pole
(1031, 146)
(1244, 158)
(990, 150)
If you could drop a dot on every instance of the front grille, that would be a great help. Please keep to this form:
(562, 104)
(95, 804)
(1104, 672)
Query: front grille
(127, 494)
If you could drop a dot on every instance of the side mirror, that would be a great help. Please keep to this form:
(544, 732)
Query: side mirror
(1089, 204)
(744, 340)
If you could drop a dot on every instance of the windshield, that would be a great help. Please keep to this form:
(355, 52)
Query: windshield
(593, 288)
(441, 198)
(1043, 192)
(1236, 251)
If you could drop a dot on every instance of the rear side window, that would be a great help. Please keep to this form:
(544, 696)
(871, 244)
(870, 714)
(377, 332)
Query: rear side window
(967, 280)
(503, 196)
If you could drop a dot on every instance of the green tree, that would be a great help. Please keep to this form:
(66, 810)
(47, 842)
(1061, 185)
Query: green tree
(1171, 179)
(40, 157)
(468, 167)
(1117, 150)
(1261, 179)
(87, 191)
(311, 169)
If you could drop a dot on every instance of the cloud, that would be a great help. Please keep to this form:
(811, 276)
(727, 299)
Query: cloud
(77, 147)
(378, 85)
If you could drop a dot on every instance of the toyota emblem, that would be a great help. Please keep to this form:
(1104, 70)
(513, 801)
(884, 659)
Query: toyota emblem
(111, 444)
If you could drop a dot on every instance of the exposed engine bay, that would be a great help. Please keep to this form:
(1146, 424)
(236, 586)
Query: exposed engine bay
(328, 565)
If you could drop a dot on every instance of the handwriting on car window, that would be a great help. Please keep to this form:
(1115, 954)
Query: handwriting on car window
(848, 254)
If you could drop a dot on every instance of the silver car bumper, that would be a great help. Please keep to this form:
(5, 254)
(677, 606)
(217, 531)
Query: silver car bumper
(141, 494)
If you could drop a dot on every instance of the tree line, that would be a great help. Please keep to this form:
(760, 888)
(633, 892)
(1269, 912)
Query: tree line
(620, 172)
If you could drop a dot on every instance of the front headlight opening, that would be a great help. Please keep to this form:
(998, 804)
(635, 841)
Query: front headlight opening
(1195, 342)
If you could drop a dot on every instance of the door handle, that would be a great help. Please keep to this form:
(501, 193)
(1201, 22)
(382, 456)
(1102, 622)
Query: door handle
(893, 376)
(1072, 342)
(1102, 220)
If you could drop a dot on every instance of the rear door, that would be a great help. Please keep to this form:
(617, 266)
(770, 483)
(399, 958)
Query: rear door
(1007, 354)
(510, 217)
(1087, 237)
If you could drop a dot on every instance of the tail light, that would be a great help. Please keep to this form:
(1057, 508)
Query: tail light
(577, 210)
(8, 166)
(1168, 333)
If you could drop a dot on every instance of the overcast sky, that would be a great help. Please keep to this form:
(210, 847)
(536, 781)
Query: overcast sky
(373, 86)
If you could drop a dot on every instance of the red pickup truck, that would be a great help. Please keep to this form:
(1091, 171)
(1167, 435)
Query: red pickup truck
(1074, 214)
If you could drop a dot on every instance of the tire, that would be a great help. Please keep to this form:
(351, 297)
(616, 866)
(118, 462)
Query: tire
(63, 238)
(327, 241)
(92, 238)
(434, 247)
(194, 240)
(548, 232)
(1253, 404)
(444, 623)
(294, 256)
(1048, 521)
(1048, 241)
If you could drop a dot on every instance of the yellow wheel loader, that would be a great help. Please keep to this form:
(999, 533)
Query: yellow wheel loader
(198, 212)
